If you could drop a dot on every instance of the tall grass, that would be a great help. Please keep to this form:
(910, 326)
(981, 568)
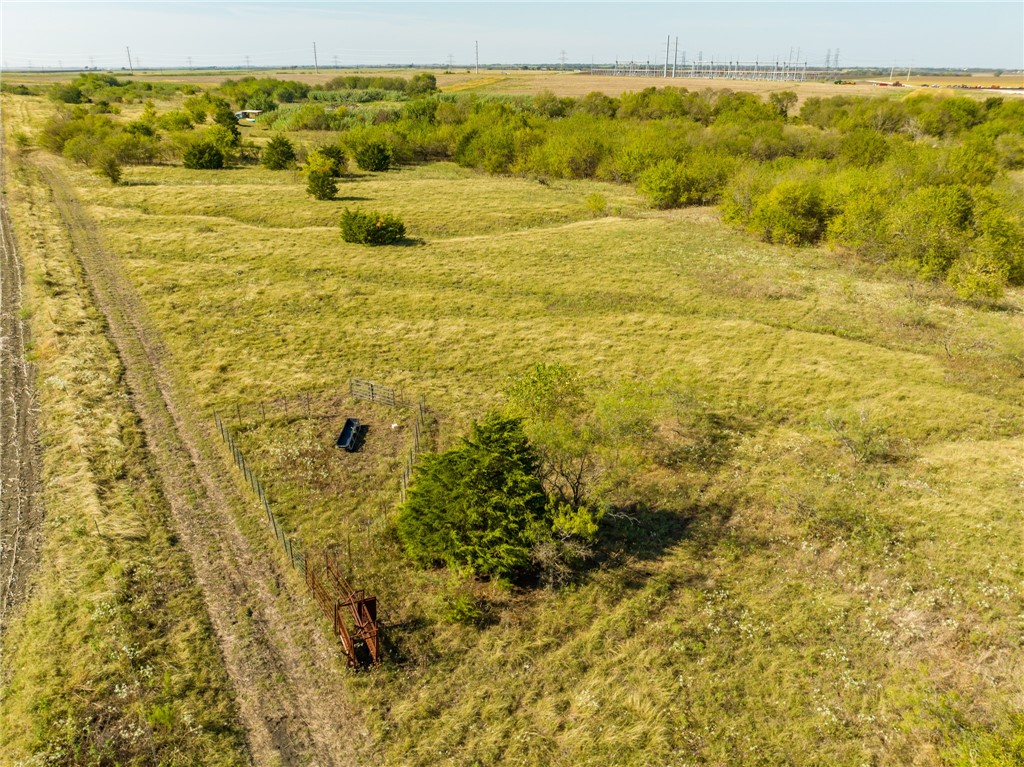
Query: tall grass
(766, 594)
(111, 660)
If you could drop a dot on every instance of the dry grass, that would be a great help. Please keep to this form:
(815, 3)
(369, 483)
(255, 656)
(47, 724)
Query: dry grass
(787, 604)
(574, 83)
(112, 657)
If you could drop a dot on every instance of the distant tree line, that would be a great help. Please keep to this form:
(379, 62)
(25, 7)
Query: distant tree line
(914, 183)
(917, 183)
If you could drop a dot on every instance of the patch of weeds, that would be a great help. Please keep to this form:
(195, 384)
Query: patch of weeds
(867, 439)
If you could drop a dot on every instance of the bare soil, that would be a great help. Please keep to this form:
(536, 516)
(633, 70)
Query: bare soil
(20, 511)
(284, 666)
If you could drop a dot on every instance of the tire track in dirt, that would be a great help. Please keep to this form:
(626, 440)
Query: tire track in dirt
(285, 671)
(21, 512)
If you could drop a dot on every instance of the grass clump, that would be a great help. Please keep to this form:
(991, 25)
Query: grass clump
(369, 228)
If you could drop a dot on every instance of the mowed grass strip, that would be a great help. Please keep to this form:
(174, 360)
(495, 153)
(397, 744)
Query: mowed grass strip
(112, 659)
(792, 604)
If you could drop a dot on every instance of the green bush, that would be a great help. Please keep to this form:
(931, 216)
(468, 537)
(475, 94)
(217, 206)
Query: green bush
(106, 165)
(478, 506)
(278, 154)
(67, 94)
(697, 180)
(202, 155)
(176, 119)
(422, 84)
(792, 213)
(368, 228)
(336, 158)
(660, 184)
(321, 185)
(374, 156)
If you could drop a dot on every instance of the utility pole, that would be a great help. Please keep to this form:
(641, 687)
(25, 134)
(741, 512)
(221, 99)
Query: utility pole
(477, 44)
(189, 62)
(675, 59)
(130, 67)
(335, 61)
(247, 65)
(668, 44)
(316, 66)
(451, 61)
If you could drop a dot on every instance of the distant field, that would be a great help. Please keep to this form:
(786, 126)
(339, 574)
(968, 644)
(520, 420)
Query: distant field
(527, 82)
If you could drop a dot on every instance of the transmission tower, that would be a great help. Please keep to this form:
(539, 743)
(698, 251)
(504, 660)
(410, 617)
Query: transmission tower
(562, 59)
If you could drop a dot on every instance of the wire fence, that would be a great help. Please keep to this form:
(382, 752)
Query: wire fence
(374, 392)
(419, 426)
(293, 552)
(317, 573)
(319, 570)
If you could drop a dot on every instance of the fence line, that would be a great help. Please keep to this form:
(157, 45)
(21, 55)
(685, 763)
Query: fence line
(419, 425)
(374, 392)
(362, 609)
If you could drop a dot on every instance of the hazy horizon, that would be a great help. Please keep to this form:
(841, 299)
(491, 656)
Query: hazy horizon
(958, 35)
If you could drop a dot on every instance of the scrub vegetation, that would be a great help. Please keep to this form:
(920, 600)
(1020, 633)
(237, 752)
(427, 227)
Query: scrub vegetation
(765, 458)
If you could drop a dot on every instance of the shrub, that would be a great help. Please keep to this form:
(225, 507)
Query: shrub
(368, 228)
(661, 184)
(421, 84)
(478, 506)
(792, 213)
(176, 119)
(374, 156)
(597, 204)
(336, 158)
(698, 180)
(278, 154)
(929, 229)
(321, 185)
(107, 165)
(67, 94)
(320, 182)
(202, 155)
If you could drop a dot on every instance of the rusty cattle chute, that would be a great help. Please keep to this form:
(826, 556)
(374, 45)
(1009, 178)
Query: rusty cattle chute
(340, 602)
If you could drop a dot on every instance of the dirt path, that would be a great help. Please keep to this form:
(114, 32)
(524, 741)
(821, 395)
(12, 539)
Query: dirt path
(285, 670)
(20, 511)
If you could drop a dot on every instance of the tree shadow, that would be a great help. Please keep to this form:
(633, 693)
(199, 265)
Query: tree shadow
(398, 639)
(640, 533)
(349, 198)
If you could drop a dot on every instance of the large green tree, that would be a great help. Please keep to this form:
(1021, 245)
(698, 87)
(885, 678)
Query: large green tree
(479, 506)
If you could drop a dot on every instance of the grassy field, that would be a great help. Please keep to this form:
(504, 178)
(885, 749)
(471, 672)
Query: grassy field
(112, 658)
(567, 83)
(778, 601)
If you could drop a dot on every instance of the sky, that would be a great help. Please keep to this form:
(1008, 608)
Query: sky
(965, 33)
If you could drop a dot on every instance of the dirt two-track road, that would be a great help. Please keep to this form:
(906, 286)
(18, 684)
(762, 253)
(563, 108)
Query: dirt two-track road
(20, 512)
(286, 674)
